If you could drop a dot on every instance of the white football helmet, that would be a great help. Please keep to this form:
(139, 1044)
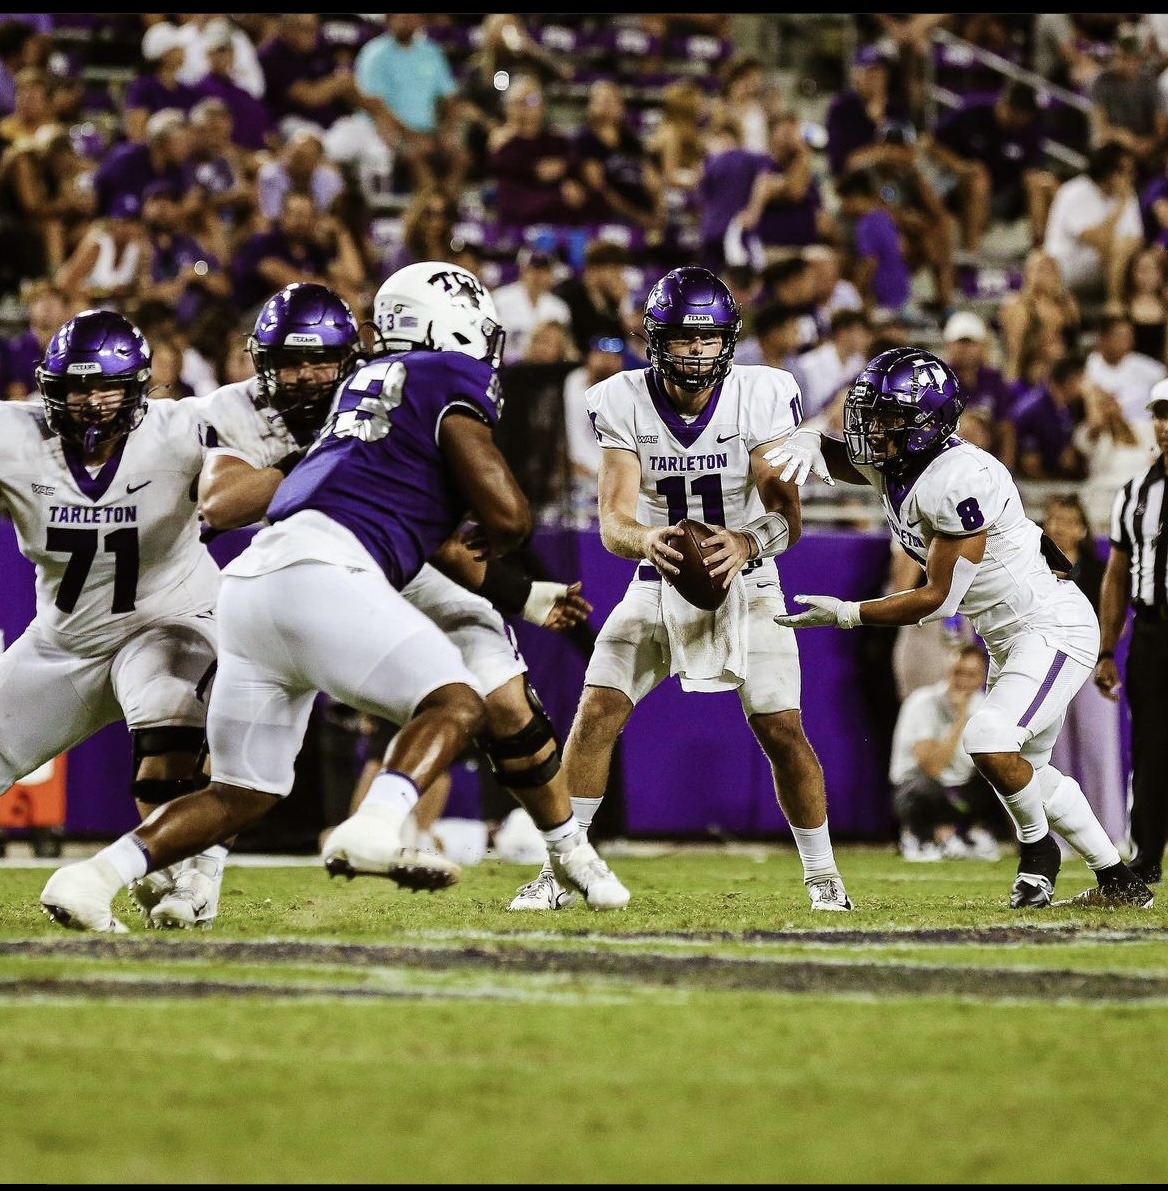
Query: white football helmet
(438, 306)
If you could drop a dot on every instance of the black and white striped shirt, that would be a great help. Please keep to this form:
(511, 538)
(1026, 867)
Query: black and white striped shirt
(1139, 527)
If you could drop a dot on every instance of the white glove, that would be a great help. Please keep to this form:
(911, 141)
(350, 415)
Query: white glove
(802, 455)
(822, 610)
(542, 599)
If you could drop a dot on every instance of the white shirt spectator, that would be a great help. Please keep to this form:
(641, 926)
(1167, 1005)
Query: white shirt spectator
(1080, 204)
(203, 30)
(821, 374)
(520, 312)
(926, 714)
(1130, 380)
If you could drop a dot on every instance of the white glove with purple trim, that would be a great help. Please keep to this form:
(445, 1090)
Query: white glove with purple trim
(801, 456)
(822, 610)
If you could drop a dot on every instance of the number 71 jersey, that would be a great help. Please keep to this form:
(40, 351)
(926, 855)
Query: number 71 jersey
(698, 468)
(117, 550)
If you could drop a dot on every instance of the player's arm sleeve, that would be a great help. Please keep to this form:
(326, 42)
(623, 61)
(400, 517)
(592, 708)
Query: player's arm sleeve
(611, 417)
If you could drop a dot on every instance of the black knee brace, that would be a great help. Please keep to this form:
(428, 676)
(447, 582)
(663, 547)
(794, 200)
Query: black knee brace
(157, 742)
(526, 743)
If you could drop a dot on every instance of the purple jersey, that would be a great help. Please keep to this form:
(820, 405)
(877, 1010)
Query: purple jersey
(376, 467)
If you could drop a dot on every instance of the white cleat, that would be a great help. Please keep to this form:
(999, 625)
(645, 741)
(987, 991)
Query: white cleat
(148, 891)
(194, 898)
(79, 896)
(544, 893)
(371, 843)
(578, 865)
(828, 893)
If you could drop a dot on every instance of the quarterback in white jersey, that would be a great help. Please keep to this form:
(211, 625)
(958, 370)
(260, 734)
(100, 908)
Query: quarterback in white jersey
(956, 510)
(100, 485)
(685, 438)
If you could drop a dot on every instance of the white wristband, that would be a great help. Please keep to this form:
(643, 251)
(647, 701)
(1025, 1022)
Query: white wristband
(542, 599)
(770, 532)
(848, 614)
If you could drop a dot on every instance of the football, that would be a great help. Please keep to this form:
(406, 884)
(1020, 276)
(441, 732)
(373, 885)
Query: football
(693, 580)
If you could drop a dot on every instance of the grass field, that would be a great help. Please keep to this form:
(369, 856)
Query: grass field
(716, 1031)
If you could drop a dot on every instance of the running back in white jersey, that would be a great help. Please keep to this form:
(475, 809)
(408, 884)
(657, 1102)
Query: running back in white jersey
(963, 491)
(699, 468)
(117, 550)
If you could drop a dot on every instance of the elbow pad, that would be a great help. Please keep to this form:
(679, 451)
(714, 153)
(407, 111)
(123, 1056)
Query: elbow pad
(964, 573)
(770, 532)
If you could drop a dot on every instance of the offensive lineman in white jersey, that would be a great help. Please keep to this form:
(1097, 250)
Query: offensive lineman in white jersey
(686, 437)
(99, 483)
(957, 511)
(305, 342)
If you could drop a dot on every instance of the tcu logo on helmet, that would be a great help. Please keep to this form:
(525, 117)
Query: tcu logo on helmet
(460, 287)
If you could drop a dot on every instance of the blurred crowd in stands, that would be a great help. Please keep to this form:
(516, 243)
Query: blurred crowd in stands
(993, 186)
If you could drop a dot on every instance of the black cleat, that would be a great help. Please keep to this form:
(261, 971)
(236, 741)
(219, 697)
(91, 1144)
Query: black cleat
(1038, 869)
(1149, 873)
(1122, 889)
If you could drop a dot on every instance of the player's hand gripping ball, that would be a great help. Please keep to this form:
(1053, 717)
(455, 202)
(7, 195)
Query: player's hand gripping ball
(693, 580)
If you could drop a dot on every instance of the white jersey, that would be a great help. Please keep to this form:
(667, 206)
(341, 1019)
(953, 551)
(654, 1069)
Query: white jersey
(963, 491)
(115, 549)
(254, 433)
(699, 467)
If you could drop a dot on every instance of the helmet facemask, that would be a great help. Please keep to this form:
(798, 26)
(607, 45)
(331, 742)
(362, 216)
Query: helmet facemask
(302, 402)
(690, 303)
(306, 341)
(92, 424)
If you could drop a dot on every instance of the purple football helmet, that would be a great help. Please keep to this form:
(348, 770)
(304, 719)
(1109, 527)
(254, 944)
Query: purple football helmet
(901, 409)
(94, 350)
(685, 301)
(304, 323)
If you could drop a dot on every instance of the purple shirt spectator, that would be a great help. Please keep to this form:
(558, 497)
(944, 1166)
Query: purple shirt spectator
(283, 66)
(990, 392)
(520, 198)
(250, 121)
(250, 289)
(849, 127)
(974, 133)
(129, 169)
(722, 191)
(19, 357)
(876, 236)
(1043, 426)
(624, 171)
(147, 91)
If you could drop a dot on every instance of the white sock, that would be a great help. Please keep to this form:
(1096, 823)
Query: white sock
(585, 809)
(1027, 810)
(565, 831)
(392, 789)
(1070, 814)
(814, 844)
(127, 857)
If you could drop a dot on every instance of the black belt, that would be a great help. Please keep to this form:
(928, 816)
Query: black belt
(1149, 614)
(647, 571)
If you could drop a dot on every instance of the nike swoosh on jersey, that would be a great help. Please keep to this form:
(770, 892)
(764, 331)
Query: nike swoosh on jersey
(727, 437)
(132, 488)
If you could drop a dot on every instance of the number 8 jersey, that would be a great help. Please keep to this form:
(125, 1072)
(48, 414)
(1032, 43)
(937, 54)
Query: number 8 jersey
(115, 549)
(964, 490)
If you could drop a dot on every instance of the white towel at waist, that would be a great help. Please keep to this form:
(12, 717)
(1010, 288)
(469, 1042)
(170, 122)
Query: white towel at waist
(707, 650)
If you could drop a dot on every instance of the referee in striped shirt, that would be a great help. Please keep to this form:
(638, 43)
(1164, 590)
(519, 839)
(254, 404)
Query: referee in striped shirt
(1137, 577)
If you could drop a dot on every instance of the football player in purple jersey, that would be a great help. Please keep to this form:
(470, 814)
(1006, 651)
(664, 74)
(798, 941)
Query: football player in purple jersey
(314, 604)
